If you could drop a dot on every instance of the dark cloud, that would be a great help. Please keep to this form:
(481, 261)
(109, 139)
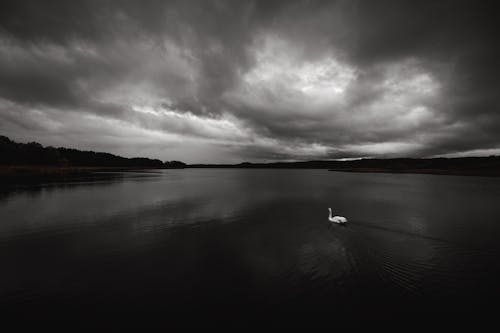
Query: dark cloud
(228, 80)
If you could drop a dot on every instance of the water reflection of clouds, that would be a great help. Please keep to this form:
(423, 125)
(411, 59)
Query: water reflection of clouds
(262, 229)
(63, 205)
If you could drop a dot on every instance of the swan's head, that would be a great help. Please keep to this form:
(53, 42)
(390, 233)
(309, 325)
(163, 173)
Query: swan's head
(329, 209)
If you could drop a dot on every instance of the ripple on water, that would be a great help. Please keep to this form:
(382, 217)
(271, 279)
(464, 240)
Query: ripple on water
(415, 266)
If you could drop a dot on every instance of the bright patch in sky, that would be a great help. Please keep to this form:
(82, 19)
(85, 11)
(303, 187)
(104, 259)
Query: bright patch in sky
(280, 66)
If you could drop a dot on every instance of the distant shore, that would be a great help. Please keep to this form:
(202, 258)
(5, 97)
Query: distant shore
(477, 173)
(462, 166)
(36, 160)
(56, 173)
(25, 161)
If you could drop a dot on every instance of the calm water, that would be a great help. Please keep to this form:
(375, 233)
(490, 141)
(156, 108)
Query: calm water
(199, 240)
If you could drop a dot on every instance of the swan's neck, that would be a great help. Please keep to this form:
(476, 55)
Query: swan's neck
(330, 216)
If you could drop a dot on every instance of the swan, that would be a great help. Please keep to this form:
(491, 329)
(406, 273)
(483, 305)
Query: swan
(336, 219)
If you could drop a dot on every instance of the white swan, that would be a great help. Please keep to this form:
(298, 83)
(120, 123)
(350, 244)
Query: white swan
(336, 219)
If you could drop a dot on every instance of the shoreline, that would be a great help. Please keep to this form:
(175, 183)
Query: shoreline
(17, 172)
(436, 172)
(42, 172)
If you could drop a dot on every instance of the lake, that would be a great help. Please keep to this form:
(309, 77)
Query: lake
(209, 240)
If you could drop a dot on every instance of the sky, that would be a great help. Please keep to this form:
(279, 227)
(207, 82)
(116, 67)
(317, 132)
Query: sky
(233, 81)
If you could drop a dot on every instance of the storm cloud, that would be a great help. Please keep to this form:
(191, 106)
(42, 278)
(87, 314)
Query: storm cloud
(232, 81)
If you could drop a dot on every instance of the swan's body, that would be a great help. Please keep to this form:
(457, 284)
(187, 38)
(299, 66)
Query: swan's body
(336, 219)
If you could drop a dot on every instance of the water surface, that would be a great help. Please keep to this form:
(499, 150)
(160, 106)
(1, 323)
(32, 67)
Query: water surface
(199, 240)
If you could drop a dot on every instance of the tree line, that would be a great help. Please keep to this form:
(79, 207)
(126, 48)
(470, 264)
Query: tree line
(33, 153)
